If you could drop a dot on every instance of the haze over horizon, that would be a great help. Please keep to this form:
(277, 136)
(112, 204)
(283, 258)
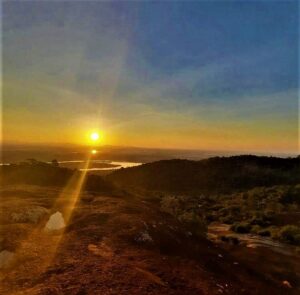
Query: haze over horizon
(197, 75)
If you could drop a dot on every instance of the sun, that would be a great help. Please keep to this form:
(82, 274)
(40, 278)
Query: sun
(94, 136)
(94, 152)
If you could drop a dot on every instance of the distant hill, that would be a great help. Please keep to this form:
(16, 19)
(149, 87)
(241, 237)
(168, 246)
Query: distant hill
(39, 173)
(17, 153)
(218, 175)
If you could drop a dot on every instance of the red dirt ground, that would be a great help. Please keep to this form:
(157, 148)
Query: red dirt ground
(105, 249)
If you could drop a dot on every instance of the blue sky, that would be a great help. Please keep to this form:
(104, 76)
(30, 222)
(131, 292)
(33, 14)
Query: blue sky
(197, 74)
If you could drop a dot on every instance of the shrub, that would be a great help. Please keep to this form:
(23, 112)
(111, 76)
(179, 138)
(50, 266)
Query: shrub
(291, 195)
(241, 227)
(255, 229)
(216, 207)
(274, 232)
(229, 219)
(194, 223)
(171, 205)
(290, 234)
(264, 232)
(270, 214)
(224, 238)
(211, 218)
(261, 219)
(223, 212)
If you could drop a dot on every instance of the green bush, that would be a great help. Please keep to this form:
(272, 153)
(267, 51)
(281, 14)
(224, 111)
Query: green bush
(223, 212)
(229, 219)
(290, 234)
(264, 232)
(270, 214)
(274, 232)
(194, 223)
(291, 195)
(241, 227)
(171, 205)
(255, 229)
(211, 218)
(260, 218)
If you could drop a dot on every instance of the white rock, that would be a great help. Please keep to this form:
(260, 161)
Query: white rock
(144, 237)
(287, 284)
(55, 222)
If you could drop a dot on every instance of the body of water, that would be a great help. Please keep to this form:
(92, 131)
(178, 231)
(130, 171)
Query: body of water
(113, 165)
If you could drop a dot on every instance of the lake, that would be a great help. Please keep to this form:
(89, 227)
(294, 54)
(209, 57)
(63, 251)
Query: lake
(97, 165)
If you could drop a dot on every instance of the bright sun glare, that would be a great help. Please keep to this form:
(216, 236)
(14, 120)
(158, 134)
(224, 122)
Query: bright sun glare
(94, 136)
(94, 152)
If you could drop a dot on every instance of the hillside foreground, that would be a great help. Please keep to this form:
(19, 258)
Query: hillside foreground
(99, 237)
(116, 243)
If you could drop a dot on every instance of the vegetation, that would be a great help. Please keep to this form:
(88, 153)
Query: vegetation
(188, 215)
(39, 173)
(267, 211)
(259, 195)
(290, 234)
(241, 227)
(214, 175)
(257, 211)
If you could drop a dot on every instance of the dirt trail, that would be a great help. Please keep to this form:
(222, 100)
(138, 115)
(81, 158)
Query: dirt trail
(116, 244)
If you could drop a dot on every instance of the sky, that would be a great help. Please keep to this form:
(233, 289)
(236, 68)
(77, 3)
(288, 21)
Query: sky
(219, 75)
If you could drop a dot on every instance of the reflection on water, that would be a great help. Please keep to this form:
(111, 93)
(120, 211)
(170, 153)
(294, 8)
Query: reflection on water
(55, 222)
(114, 165)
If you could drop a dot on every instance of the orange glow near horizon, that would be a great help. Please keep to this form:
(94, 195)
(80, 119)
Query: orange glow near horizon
(259, 136)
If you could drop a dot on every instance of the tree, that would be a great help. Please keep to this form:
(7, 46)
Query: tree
(54, 163)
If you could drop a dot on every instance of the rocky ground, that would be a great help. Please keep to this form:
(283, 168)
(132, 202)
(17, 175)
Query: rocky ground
(113, 244)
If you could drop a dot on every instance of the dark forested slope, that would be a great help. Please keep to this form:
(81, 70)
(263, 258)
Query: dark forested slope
(219, 174)
(39, 173)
